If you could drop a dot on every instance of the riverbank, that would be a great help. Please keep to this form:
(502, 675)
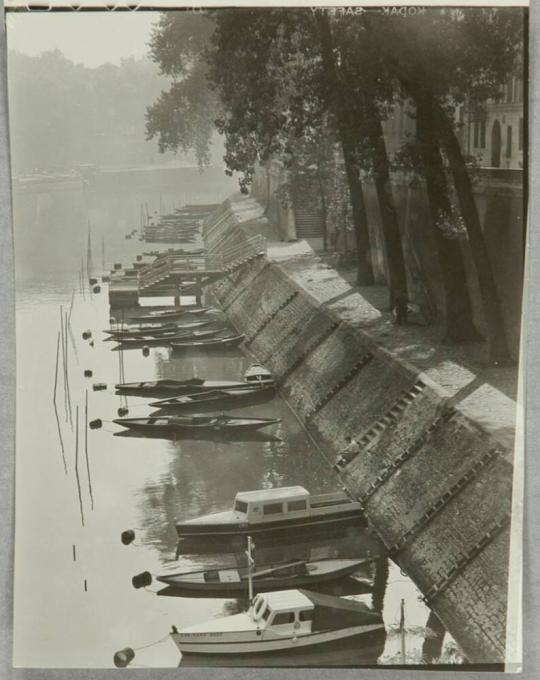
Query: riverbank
(436, 425)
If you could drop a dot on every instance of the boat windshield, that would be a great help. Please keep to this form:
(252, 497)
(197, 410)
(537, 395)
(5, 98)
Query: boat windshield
(240, 506)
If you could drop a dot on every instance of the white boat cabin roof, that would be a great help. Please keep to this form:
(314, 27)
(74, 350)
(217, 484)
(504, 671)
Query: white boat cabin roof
(285, 600)
(282, 493)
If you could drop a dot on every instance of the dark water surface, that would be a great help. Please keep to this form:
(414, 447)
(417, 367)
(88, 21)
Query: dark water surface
(74, 601)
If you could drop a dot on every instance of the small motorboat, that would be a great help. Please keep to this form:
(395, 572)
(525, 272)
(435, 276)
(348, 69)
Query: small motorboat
(217, 398)
(220, 423)
(299, 573)
(259, 375)
(164, 339)
(223, 342)
(285, 621)
(286, 509)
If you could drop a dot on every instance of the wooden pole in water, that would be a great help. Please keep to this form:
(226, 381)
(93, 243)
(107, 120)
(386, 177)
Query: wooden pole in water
(77, 466)
(86, 451)
(67, 371)
(54, 403)
(250, 568)
(63, 361)
(103, 253)
(402, 632)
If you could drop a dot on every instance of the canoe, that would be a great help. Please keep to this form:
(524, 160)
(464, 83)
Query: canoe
(221, 423)
(225, 342)
(165, 339)
(265, 577)
(216, 398)
(171, 313)
(144, 329)
(155, 388)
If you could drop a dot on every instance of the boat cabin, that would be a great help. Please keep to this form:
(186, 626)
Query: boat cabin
(283, 610)
(268, 504)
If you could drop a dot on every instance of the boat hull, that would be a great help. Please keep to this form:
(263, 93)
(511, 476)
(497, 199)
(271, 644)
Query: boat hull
(326, 522)
(252, 645)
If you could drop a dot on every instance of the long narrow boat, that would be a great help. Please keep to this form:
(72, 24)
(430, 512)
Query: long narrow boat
(158, 388)
(224, 342)
(221, 423)
(175, 313)
(217, 398)
(144, 329)
(284, 621)
(267, 511)
(299, 573)
(165, 339)
(185, 333)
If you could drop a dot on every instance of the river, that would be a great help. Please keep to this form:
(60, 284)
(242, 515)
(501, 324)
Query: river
(74, 601)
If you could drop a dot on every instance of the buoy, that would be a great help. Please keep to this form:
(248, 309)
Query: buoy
(124, 657)
(91, 343)
(127, 536)
(96, 289)
(95, 424)
(139, 258)
(99, 386)
(87, 373)
(142, 580)
(146, 351)
(122, 411)
(118, 265)
(92, 281)
(86, 335)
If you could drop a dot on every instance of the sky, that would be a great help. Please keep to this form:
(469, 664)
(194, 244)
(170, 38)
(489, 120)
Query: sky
(90, 38)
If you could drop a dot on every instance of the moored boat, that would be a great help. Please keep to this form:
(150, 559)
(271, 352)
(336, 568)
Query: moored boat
(281, 621)
(177, 387)
(224, 342)
(258, 375)
(217, 398)
(219, 423)
(164, 339)
(285, 509)
(292, 574)
(175, 313)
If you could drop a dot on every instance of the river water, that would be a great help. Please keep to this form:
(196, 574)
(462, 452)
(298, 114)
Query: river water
(74, 601)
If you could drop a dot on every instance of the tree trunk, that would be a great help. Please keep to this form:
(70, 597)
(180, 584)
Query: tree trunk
(364, 272)
(347, 130)
(397, 276)
(498, 345)
(459, 318)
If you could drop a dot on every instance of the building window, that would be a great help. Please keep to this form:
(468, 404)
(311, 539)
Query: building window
(479, 131)
(509, 141)
(520, 135)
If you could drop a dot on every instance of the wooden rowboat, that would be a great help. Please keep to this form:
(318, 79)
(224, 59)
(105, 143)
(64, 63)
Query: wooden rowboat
(221, 423)
(266, 577)
(216, 398)
(224, 342)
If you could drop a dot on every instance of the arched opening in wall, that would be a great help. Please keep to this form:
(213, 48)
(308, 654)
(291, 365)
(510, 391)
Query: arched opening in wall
(496, 145)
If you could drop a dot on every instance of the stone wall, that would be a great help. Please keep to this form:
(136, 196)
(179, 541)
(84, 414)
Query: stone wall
(435, 484)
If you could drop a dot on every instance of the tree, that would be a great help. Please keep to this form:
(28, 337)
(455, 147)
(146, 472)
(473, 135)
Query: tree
(183, 116)
(443, 58)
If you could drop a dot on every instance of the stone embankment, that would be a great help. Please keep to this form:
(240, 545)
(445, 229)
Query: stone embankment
(436, 467)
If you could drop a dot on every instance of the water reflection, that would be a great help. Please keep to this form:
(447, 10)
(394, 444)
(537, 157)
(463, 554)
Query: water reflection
(89, 606)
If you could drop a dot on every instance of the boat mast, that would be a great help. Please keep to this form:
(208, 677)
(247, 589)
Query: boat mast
(251, 564)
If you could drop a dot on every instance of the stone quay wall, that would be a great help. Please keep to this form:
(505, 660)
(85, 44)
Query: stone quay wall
(436, 483)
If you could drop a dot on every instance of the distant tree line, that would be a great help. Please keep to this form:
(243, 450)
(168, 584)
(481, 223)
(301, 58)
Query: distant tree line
(64, 114)
(300, 83)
